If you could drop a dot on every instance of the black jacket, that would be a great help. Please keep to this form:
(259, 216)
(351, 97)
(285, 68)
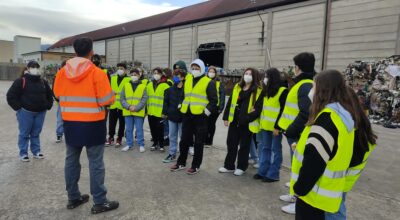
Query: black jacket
(172, 99)
(221, 105)
(294, 130)
(33, 95)
(241, 116)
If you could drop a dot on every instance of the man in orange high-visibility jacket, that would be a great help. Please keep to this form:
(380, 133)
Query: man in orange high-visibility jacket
(84, 91)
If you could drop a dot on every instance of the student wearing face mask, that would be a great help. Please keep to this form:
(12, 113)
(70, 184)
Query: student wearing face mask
(200, 101)
(115, 114)
(212, 74)
(30, 96)
(155, 90)
(269, 139)
(241, 115)
(133, 99)
(172, 103)
(296, 111)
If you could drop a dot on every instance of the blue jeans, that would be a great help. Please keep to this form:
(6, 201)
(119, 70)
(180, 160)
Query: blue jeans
(72, 172)
(175, 132)
(166, 128)
(132, 122)
(30, 125)
(59, 126)
(341, 214)
(253, 150)
(270, 154)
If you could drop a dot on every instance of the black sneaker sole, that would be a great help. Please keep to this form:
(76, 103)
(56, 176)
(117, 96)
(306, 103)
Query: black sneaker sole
(84, 199)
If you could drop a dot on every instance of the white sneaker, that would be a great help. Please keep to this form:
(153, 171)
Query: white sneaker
(38, 156)
(289, 209)
(287, 184)
(191, 151)
(287, 198)
(224, 170)
(257, 165)
(142, 149)
(251, 161)
(238, 172)
(126, 148)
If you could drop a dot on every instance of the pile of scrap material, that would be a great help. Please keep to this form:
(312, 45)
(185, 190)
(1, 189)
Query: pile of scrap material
(377, 84)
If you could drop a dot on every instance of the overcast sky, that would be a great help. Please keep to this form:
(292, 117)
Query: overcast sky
(52, 20)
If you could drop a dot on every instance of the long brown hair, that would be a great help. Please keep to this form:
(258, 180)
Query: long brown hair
(255, 84)
(363, 125)
(330, 87)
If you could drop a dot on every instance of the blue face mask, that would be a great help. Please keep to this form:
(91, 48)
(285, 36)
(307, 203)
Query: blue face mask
(176, 79)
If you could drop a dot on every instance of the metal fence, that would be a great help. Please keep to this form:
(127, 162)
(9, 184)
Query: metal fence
(10, 71)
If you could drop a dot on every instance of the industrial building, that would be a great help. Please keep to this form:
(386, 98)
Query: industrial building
(235, 34)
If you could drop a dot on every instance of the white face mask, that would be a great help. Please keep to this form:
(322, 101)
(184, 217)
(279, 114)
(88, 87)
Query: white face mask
(265, 81)
(211, 75)
(196, 73)
(248, 78)
(311, 95)
(120, 72)
(134, 78)
(157, 77)
(34, 71)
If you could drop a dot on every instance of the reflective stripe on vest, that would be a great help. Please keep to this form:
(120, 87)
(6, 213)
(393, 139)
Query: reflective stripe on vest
(328, 190)
(291, 109)
(195, 97)
(354, 172)
(133, 99)
(270, 112)
(117, 89)
(156, 98)
(254, 126)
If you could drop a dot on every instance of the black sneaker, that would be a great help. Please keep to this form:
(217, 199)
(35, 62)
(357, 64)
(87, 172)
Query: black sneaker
(268, 180)
(153, 147)
(108, 206)
(170, 158)
(59, 139)
(77, 202)
(162, 149)
(257, 177)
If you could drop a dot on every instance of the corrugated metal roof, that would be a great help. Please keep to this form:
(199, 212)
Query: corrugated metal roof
(199, 12)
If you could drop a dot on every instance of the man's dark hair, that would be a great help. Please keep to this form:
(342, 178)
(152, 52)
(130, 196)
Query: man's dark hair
(83, 46)
(305, 61)
(121, 65)
(96, 59)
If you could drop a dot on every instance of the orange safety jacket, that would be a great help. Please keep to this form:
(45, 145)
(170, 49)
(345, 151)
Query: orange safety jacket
(83, 90)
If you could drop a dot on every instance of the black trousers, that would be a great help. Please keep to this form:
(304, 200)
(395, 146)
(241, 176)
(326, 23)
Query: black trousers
(157, 130)
(115, 115)
(238, 135)
(305, 212)
(193, 125)
(212, 119)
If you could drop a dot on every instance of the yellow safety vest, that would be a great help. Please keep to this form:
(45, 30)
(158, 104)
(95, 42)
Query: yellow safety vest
(145, 82)
(133, 98)
(254, 126)
(270, 112)
(117, 89)
(354, 173)
(218, 84)
(156, 99)
(195, 97)
(291, 109)
(170, 81)
(328, 191)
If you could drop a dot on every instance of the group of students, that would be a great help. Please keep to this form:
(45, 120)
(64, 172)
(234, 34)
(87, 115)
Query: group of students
(161, 99)
(329, 135)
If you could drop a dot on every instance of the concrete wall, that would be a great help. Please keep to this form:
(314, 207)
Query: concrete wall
(112, 51)
(34, 56)
(181, 48)
(125, 49)
(23, 44)
(362, 30)
(6, 51)
(142, 49)
(160, 49)
(99, 47)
